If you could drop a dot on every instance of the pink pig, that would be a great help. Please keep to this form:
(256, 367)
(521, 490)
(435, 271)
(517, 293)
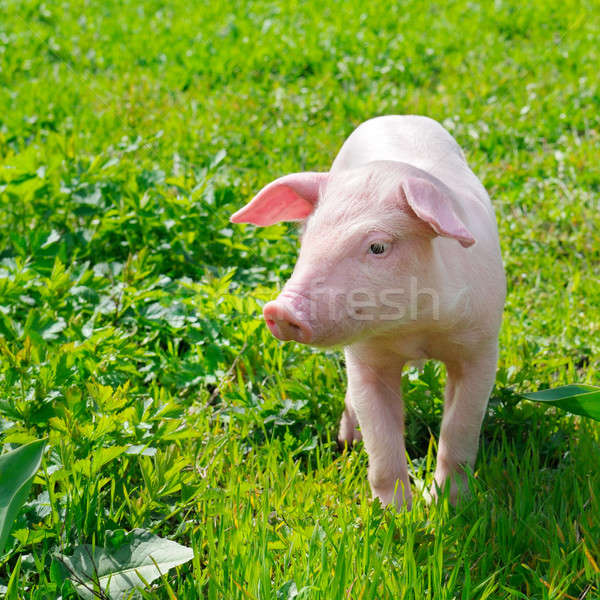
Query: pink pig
(399, 261)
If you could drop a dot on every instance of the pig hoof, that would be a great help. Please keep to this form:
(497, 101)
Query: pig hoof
(458, 490)
(349, 432)
(430, 495)
(399, 498)
(348, 438)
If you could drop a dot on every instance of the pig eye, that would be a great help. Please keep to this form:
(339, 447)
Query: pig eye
(378, 248)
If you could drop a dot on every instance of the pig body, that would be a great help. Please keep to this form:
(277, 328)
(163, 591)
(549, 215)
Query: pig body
(399, 261)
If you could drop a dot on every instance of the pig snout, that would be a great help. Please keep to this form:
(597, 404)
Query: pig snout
(286, 322)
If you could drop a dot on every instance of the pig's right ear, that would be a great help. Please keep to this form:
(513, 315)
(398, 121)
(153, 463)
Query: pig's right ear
(289, 198)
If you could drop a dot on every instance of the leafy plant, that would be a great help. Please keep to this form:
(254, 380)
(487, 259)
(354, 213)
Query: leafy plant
(17, 470)
(126, 562)
(578, 399)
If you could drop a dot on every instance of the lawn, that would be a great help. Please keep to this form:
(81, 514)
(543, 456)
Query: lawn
(130, 308)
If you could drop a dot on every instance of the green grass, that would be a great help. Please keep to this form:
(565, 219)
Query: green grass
(130, 331)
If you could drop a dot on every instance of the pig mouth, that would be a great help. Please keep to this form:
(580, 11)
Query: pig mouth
(290, 318)
(286, 323)
(297, 316)
(287, 330)
(322, 322)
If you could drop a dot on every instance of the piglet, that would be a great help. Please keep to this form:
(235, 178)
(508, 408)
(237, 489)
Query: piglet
(399, 261)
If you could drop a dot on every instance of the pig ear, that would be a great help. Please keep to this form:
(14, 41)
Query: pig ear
(289, 198)
(435, 208)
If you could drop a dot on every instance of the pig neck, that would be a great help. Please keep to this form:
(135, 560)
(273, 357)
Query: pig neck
(398, 347)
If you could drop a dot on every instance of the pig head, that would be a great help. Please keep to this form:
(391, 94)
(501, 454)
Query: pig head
(399, 260)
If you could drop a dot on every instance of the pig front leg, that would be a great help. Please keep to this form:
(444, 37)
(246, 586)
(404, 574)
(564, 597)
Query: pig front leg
(468, 388)
(375, 395)
(349, 431)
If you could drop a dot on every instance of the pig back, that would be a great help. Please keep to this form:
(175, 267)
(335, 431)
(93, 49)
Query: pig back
(422, 143)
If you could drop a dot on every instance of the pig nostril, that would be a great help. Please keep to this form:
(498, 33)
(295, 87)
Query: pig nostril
(290, 327)
(295, 328)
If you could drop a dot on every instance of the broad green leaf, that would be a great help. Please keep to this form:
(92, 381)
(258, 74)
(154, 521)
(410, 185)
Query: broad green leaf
(579, 399)
(142, 559)
(17, 470)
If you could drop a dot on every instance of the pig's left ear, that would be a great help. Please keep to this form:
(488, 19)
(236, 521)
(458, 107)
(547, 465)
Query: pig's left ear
(435, 208)
(289, 198)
